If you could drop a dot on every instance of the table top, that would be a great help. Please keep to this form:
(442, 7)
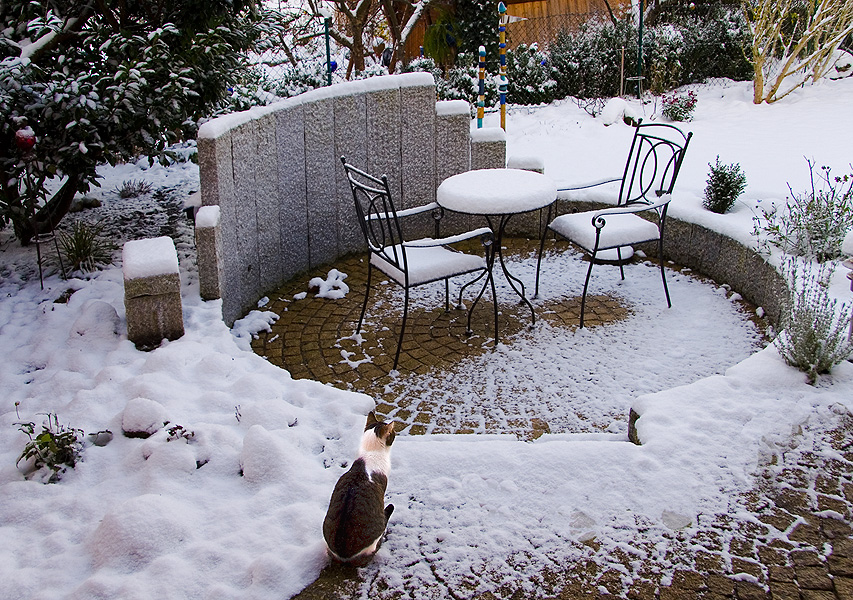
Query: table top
(496, 192)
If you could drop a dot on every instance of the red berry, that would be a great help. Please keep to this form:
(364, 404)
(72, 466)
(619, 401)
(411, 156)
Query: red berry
(25, 139)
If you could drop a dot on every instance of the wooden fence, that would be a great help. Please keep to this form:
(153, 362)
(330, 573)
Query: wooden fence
(544, 19)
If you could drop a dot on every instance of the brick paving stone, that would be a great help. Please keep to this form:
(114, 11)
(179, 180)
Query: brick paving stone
(816, 595)
(746, 590)
(843, 587)
(813, 578)
(781, 590)
(840, 565)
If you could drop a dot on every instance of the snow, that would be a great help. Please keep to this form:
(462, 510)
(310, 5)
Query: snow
(148, 257)
(449, 108)
(227, 499)
(496, 191)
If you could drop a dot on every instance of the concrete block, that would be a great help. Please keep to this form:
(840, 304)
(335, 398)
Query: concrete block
(152, 291)
(453, 155)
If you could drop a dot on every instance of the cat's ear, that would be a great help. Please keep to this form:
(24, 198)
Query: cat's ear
(371, 420)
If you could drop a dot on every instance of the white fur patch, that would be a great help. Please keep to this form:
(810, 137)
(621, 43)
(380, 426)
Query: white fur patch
(376, 455)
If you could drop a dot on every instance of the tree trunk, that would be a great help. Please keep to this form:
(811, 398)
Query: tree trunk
(49, 215)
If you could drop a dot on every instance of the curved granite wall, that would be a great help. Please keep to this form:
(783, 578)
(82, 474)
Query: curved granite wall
(284, 206)
(276, 176)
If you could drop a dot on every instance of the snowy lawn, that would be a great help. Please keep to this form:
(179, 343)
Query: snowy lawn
(235, 510)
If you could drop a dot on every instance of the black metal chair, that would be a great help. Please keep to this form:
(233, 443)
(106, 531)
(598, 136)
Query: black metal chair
(654, 160)
(416, 262)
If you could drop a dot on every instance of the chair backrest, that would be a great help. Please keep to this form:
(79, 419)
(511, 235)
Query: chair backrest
(654, 161)
(377, 215)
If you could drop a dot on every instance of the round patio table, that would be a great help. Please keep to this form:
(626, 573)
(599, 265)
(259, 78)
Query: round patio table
(498, 194)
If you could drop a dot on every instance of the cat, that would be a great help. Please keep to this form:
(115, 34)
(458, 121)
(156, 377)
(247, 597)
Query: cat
(356, 521)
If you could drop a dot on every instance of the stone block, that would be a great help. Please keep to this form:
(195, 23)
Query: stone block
(526, 162)
(384, 126)
(417, 155)
(351, 142)
(292, 185)
(208, 242)
(152, 291)
(488, 148)
(320, 167)
(453, 155)
(268, 205)
(244, 147)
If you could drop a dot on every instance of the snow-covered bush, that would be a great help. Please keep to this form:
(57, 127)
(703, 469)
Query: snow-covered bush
(586, 63)
(529, 76)
(815, 327)
(725, 184)
(101, 83)
(812, 224)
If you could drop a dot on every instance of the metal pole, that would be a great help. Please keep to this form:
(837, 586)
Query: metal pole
(328, 53)
(502, 85)
(481, 88)
(640, 54)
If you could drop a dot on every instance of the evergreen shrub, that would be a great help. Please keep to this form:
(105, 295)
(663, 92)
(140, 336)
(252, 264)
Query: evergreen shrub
(725, 184)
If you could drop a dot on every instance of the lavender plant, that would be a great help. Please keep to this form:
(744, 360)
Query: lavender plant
(815, 336)
(812, 224)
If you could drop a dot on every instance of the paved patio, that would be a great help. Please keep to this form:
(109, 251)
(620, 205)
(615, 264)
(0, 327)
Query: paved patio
(313, 338)
(728, 558)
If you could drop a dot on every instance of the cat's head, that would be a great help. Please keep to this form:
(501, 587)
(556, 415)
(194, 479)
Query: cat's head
(383, 431)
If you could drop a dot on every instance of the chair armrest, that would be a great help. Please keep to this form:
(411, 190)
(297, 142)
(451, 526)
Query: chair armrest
(583, 186)
(634, 208)
(428, 242)
(407, 212)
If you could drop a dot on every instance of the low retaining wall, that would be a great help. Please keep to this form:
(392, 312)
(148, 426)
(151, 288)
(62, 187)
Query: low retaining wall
(276, 176)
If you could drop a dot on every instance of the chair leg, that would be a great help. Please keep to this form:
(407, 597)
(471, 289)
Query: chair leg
(586, 286)
(663, 273)
(539, 262)
(446, 295)
(366, 295)
(402, 328)
(621, 263)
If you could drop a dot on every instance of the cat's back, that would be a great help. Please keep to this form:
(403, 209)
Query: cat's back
(356, 518)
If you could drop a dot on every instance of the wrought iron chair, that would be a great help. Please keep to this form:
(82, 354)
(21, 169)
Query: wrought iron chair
(654, 160)
(416, 262)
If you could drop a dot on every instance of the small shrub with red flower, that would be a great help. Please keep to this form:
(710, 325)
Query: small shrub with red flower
(679, 107)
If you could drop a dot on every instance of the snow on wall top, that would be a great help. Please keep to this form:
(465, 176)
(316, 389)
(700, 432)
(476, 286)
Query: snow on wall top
(222, 125)
(447, 108)
(488, 134)
(149, 257)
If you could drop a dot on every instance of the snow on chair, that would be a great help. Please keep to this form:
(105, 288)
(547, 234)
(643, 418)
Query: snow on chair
(417, 262)
(654, 160)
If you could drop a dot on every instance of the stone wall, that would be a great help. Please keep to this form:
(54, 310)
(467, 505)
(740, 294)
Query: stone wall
(285, 204)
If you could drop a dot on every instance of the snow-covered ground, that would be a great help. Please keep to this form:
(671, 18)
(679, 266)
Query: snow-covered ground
(235, 509)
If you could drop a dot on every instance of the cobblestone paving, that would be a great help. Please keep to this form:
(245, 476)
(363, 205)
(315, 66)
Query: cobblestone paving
(313, 338)
(796, 543)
